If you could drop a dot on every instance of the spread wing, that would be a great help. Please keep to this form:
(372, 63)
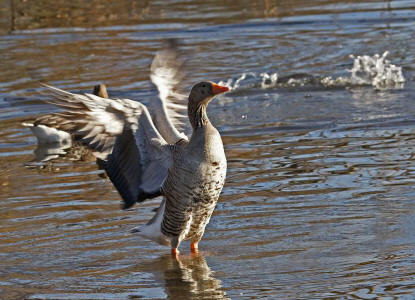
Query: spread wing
(122, 135)
(170, 108)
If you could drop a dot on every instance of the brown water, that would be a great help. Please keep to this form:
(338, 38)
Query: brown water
(319, 200)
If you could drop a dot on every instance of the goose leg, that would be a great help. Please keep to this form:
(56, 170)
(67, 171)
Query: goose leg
(174, 252)
(194, 247)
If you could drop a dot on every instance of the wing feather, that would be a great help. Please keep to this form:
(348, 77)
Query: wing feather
(123, 137)
(170, 108)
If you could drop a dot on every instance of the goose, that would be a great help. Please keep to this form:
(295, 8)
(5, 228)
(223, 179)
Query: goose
(148, 155)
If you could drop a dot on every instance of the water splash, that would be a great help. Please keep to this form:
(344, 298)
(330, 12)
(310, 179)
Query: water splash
(374, 71)
(252, 80)
(377, 71)
(268, 81)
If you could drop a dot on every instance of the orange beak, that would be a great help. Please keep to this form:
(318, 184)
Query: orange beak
(217, 89)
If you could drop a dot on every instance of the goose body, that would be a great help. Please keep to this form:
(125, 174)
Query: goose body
(191, 190)
(148, 155)
(193, 185)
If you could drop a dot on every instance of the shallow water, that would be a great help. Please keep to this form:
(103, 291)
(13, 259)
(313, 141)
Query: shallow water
(319, 199)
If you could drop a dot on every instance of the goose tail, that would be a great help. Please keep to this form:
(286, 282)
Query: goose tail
(152, 230)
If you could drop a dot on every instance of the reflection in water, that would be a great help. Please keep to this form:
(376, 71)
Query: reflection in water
(188, 277)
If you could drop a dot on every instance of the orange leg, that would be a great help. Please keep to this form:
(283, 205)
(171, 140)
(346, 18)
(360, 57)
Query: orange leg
(174, 252)
(194, 247)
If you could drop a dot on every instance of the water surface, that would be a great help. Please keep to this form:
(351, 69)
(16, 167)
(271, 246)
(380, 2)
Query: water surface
(319, 198)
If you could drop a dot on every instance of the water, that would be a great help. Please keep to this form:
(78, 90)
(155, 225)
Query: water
(319, 198)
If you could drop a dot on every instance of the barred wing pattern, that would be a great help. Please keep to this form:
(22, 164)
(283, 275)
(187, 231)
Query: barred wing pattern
(122, 135)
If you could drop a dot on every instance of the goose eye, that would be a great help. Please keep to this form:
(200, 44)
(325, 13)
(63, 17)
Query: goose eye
(203, 85)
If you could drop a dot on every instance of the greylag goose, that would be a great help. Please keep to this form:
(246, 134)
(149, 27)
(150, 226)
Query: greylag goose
(146, 157)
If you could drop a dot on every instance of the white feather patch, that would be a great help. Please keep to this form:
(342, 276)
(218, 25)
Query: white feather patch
(49, 135)
(152, 230)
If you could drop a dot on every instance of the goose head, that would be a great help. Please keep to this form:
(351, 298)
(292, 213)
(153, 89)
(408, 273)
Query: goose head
(203, 92)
